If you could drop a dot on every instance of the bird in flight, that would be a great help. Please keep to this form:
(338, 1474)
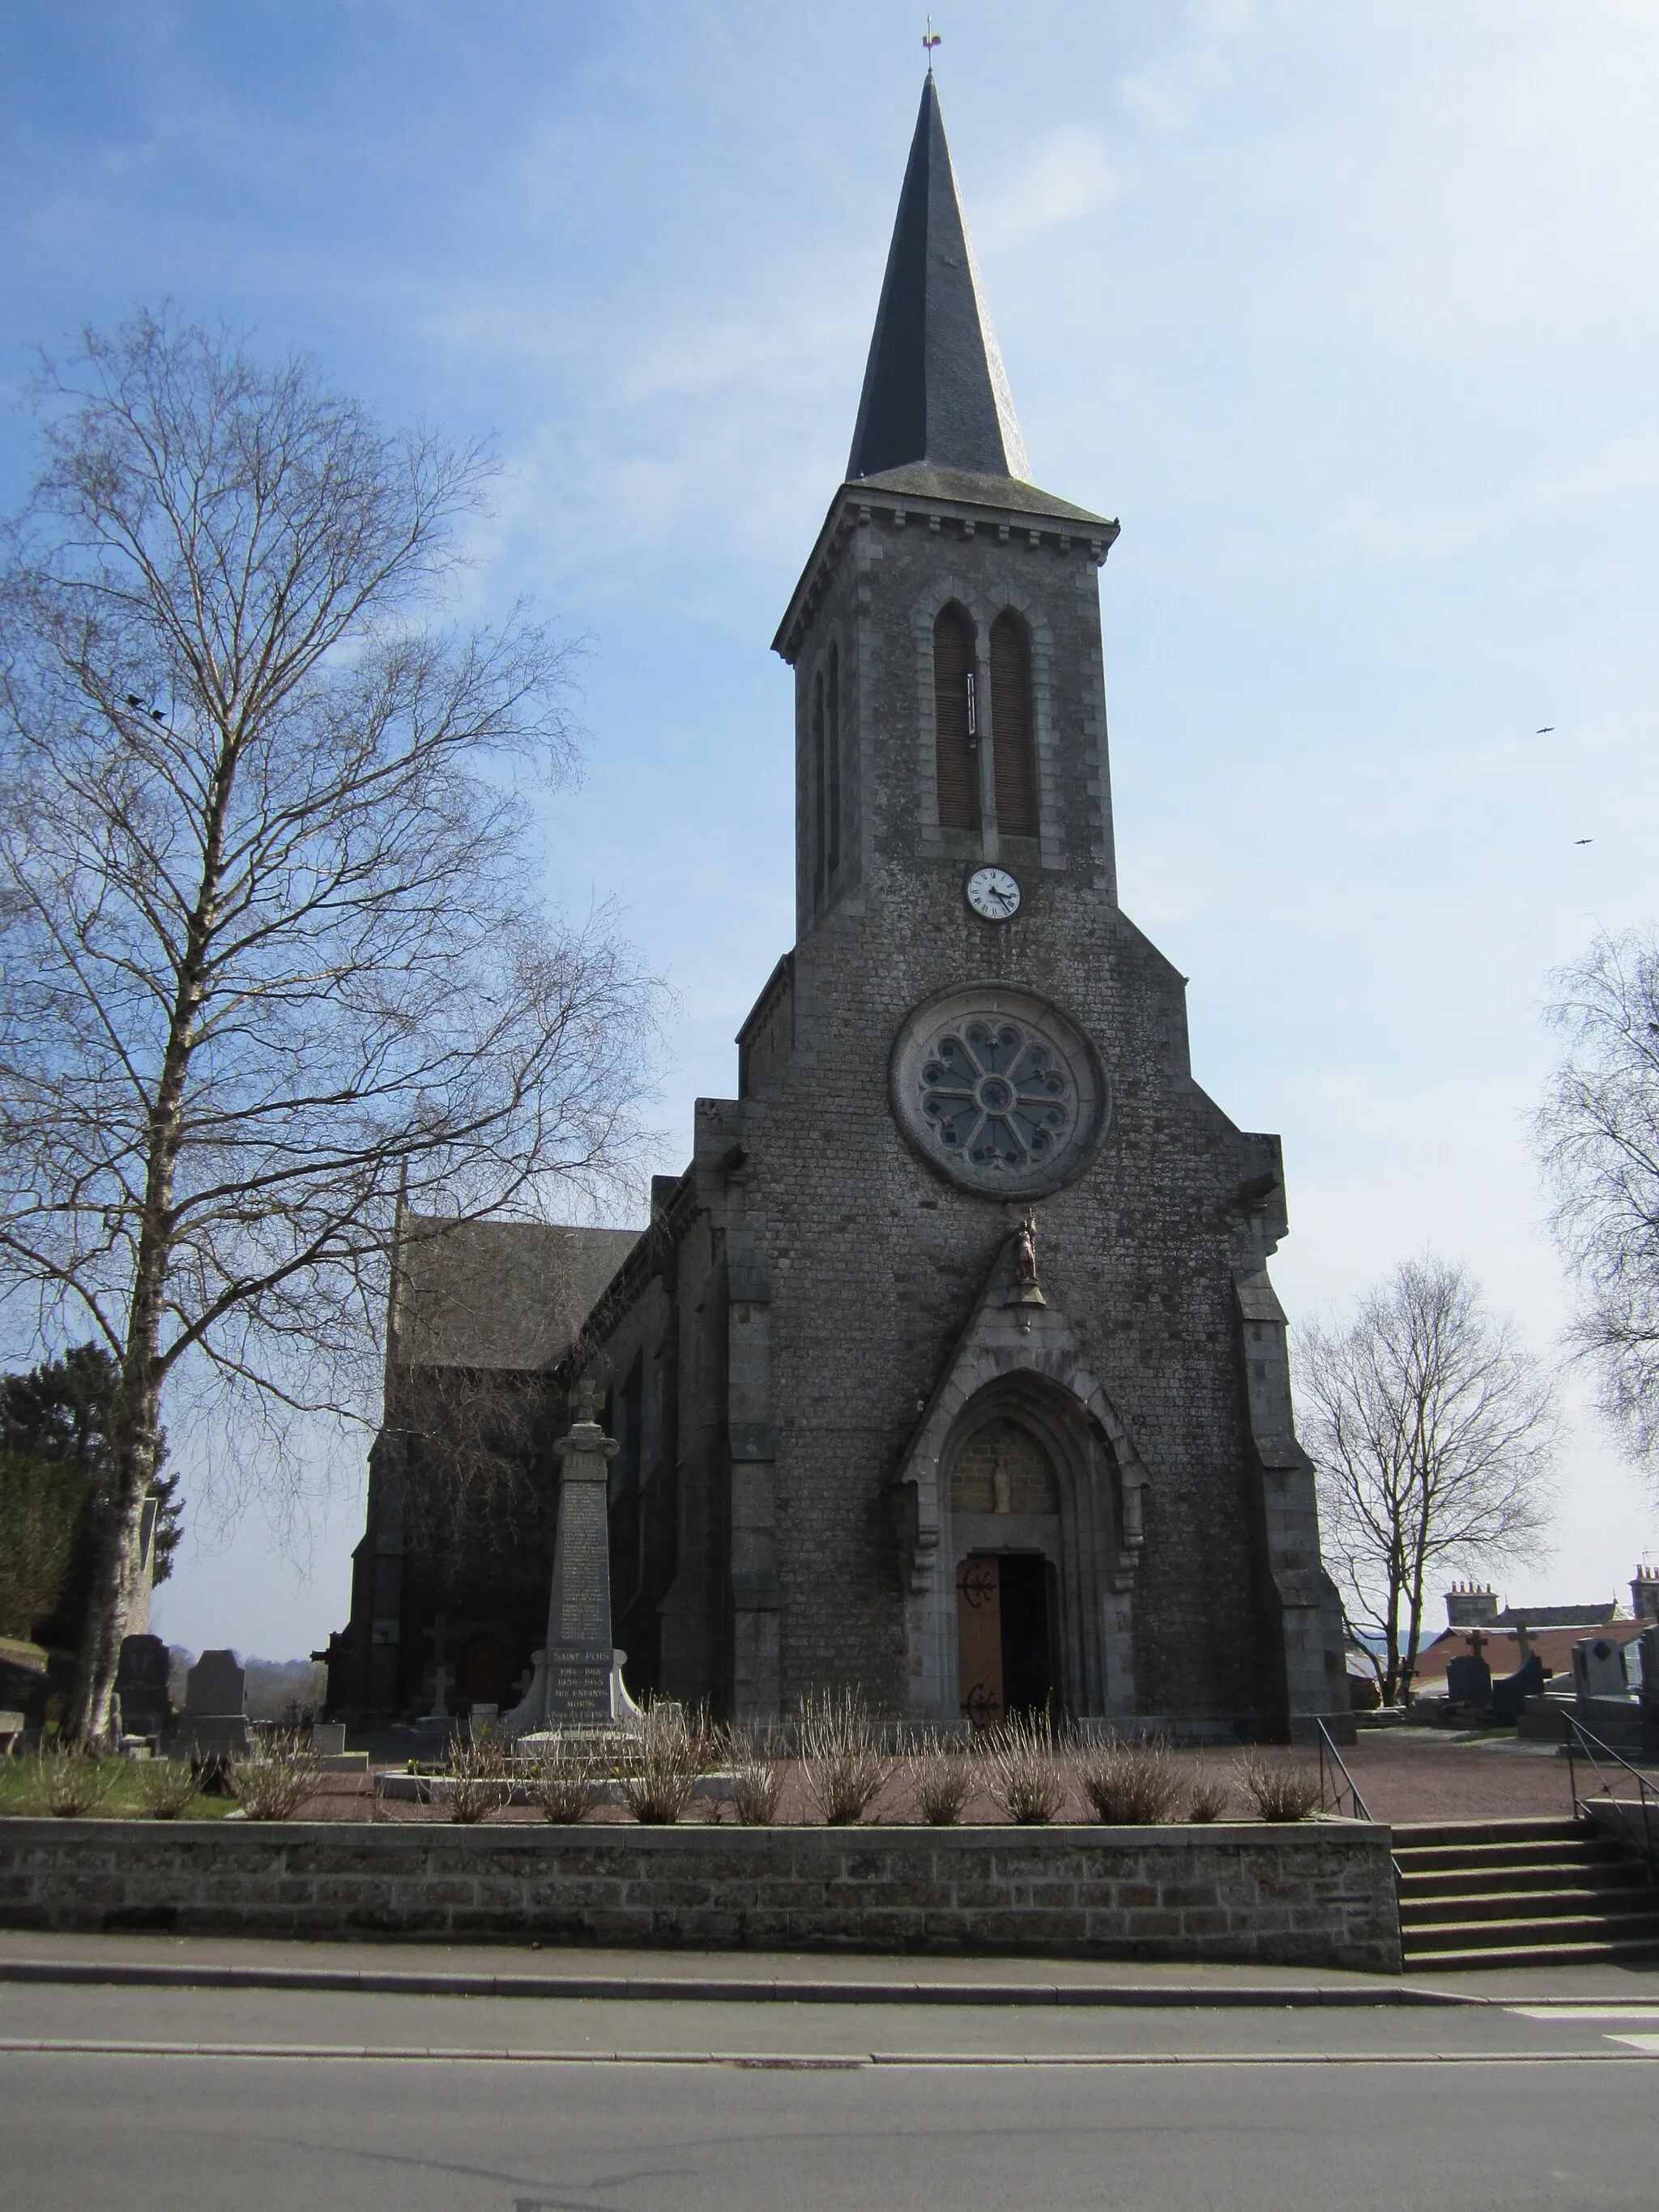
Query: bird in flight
(1545, 732)
(1584, 841)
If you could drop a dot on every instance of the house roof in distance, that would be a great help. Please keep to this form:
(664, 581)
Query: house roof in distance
(507, 1295)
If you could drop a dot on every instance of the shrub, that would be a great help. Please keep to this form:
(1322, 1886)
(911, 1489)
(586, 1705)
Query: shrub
(756, 1775)
(70, 1782)
(1022, 1772)
(480, 1780)
(1280, 1789)
(668, 1757)
(941, 1777)
(567, 1782)
(276, 1780)
(167, 1786)
(1207, 1800)
(1128, 1785)
(842, 1757)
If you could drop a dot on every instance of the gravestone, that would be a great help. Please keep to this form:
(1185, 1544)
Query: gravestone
(215, 1723)
(1598, 1669)
(578, 1663)
(141, 1684)
(1469, 1680)
(1647, 1647)
(1510, 1693)
(328, 1739)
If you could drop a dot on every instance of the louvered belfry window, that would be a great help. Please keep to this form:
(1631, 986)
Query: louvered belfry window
(817, 771)
(832, 739)
(953, 707)
(1014, 756)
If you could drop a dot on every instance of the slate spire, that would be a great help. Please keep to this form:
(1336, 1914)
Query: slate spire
(935, 388)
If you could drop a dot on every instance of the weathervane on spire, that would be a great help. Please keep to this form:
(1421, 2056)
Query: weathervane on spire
(930, 40)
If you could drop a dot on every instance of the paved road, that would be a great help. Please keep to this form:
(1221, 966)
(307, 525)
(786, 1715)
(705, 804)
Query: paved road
(853, 2107)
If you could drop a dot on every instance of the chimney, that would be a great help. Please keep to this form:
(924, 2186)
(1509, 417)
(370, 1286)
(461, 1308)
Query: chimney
(1471, 1605)
(1645, 1594)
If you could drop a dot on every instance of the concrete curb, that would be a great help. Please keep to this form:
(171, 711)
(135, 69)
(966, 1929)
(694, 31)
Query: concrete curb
(710, 1988)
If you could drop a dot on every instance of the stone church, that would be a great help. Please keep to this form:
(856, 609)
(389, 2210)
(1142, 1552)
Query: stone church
(950, 1367)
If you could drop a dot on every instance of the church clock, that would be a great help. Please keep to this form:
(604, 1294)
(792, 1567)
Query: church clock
(993, 894)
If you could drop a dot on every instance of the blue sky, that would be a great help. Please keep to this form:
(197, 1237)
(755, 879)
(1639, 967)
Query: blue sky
(1348, 314)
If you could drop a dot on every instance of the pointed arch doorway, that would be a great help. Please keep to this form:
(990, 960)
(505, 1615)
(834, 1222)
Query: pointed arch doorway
(1006, 1610)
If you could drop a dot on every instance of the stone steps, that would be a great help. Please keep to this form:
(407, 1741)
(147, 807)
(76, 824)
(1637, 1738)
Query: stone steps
(1521, 1893)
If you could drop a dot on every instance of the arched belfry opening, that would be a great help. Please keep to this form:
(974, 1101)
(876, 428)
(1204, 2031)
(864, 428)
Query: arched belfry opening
(1012, 738)
(956, 719)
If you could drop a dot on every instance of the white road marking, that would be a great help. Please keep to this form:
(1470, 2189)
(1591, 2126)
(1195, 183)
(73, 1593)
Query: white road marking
(1616, 2010)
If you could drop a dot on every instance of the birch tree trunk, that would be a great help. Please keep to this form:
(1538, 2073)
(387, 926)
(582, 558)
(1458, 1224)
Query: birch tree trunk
(273, 943)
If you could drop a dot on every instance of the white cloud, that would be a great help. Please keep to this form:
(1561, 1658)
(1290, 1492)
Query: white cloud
(1065, 177)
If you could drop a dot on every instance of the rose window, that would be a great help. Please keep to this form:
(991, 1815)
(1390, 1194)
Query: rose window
(999, 1090)
(997, 1095)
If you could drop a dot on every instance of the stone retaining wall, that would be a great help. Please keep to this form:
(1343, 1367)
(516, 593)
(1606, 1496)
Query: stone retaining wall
(1317, 1894)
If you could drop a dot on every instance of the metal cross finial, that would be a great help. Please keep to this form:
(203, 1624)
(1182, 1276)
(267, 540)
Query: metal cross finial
(930, 40)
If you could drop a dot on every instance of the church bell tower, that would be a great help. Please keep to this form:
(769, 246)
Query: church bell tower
(978, 1394)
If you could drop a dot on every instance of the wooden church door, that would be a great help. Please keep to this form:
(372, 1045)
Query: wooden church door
(1005, 1636)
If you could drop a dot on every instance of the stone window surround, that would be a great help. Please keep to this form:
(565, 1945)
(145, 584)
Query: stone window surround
(983, 607)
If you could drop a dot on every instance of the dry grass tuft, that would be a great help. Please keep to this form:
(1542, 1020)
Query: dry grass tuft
(1279, 1788)
(167, 1786)
(274, 1781)
(670, 1752)
(1128, 1785)
(942, 1779)
(568, 1781)
(756, 1759)
(1207, 1800)
(1024, 1771)
(70, 1782)
(843, 1760)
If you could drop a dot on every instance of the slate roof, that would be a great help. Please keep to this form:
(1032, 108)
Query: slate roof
(924, 480)
(935, 387)
(498, 1294)
(1502, 1652)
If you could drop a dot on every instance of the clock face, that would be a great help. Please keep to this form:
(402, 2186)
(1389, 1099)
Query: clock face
(993, 894)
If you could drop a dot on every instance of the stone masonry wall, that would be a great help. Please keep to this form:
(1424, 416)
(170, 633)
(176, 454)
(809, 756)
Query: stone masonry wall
(1320, 1894)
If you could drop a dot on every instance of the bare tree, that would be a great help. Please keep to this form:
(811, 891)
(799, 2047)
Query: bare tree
(1597, 1136)
(1433, 1433)
(272, 944)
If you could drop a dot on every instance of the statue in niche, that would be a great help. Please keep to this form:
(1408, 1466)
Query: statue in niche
(1002, 1487)
(1026, 1272)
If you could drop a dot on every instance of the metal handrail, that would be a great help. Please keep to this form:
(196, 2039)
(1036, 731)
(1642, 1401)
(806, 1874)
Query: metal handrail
(1582, 1743)
(1333, 1791)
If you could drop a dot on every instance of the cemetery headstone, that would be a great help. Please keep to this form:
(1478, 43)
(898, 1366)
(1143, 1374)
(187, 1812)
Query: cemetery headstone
(141, 1684)
(1598, 1669)
(1469, 1680)
(328, 1739)
(1511, 1692)
(1647, 1647)
(215, 1723)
